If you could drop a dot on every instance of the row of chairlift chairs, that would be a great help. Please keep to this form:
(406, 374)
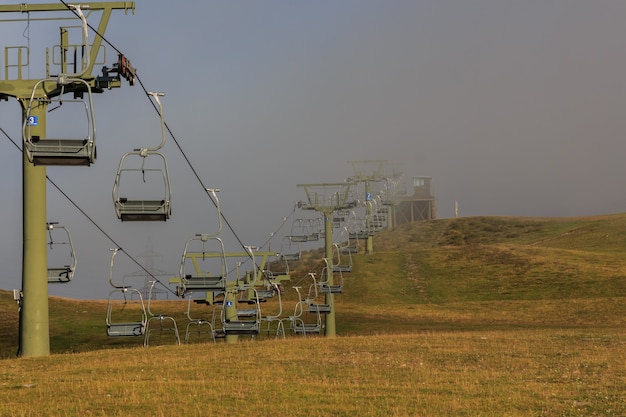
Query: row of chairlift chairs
(203, 279)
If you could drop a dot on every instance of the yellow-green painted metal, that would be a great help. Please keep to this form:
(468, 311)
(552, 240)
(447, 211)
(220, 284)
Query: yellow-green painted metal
(22, 88)
(253, 279)
(34, 337)
(230, 310)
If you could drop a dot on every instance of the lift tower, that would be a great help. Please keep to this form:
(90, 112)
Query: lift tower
(362, 174)
(76, 63)
(327, 198)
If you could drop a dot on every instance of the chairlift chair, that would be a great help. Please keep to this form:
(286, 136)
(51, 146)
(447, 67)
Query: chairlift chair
(339, 267)
(199, 323)
(79, 151)
(325, 286)
(311, 303)
(290, 251)
(161, 319)
(158, 206)
(243, 321)
(205, 268)
(124, 328)
(297, 325)
(57, 273)
(298, 231)
(271, 318)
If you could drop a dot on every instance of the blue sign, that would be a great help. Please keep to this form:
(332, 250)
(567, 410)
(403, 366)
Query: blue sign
(368, 196)
(229, 303)
(33, 121)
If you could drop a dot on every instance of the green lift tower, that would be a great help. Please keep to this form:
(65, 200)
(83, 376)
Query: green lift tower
(327, 198)
(75, 63)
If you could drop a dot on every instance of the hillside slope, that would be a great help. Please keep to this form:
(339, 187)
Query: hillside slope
(449, 274)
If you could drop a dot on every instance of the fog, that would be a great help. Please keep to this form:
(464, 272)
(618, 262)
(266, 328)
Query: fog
(513, 108)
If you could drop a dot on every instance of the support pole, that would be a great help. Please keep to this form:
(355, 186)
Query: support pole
(329, 319)
(230, 311)
(34, 337)
(369, 242)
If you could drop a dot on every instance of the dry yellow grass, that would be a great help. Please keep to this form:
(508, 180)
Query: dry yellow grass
(486, 373)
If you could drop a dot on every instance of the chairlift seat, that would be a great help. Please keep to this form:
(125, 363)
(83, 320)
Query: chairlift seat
(262, 294)
(252, 312)
(142, 210)
(299, 238)
(56, 152)
(60, 275)
(291, 256)
(331, 289)
(241, 327)
(300, 327)
(215, 283)
(318, 308)
(342, 268)
(125, 329)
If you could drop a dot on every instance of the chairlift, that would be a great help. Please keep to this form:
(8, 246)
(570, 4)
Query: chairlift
(152, 180)
(58, 273)
(243, 321)
(161, 319)
(121, 306)
(325, 287)
(299, 231)
(297, 325)
(339, 267)
(277, 270)
(314, 229)
(271, 318)
(290, 251)
(203, 268)
(338, 221)
(347, 244)
(202, 326)
(79, 151)
(311, 303)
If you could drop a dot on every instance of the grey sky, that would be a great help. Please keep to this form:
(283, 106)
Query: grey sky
(514, 108)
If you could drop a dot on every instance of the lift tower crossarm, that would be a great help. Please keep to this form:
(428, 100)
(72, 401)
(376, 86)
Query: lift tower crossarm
(22, 88)
(51, 7)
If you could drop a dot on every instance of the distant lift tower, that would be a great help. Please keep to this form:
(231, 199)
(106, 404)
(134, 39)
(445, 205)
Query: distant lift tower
(76, 63)
(327, 198)
(367, 172)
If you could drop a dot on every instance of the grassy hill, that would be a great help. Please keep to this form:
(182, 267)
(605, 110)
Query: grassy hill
(471, 316)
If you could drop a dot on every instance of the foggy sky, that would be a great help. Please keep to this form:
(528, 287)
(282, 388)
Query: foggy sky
(513, 108)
